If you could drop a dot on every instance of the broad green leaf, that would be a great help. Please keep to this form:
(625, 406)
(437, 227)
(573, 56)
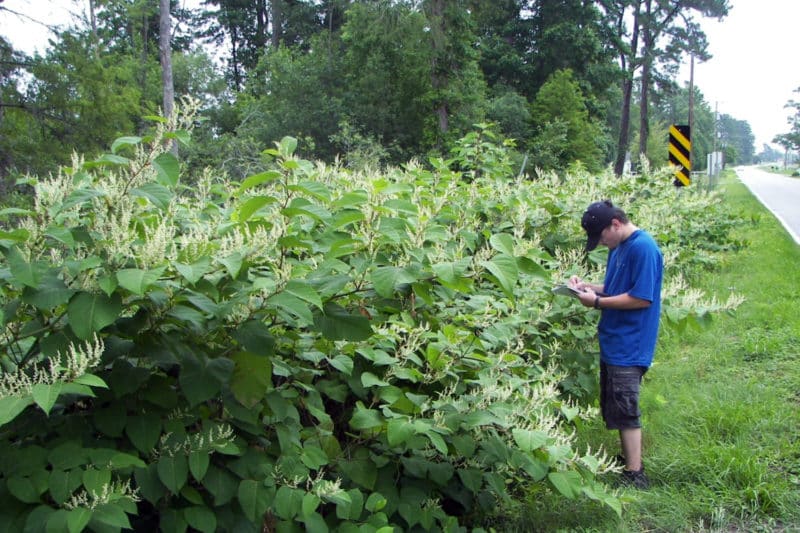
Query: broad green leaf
(529, 440)
(62, 484)
(336, 323)
(198, 463)
(167, 169)
(45, 395)
(252, 378)
(366, 418)
(259, 179)
(11, 406)
(198, 381)
(89, 313)
(232, 263)
(14, 236)
(91, 380)
(221, 484)
(122, 461)
(255, 337)
(453, 274)
(95, 479)
(194, 272)
(124, 141)
(342, 363)
(61, 234)
(314, 457)
(292, 305)
(49, 294)
(532, 268)
(375, 502)
(143, 430)
(67, 455)
(313, 522)
(79, 197)
(386, 279)
(138, 281)
(150, 487)
(201, 518)
(310, 503)
(14, 211)
(247, 209)
(398, 431)
(23, 272)
(567, 483)
(155, 193)
(78, 519)
(305, 292)
(28, 489)
(254, 499)
(183, 136)
(111, 514)
(504, 269)
(111, 159)
(503, 243)
(173, 472)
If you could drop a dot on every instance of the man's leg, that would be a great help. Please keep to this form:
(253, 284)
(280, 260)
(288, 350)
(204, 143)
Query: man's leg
(631, 443)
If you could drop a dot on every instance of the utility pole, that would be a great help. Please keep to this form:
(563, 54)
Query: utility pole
(691, 107)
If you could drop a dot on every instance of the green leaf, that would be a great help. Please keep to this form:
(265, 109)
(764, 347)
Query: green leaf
(138, 281)
(173, 472)
(62, 483)
(201, 518)
(28, 489)
(252, 378)
(198, 381)
(504, 269)
(91, 380)
(293, 305)
(453, 274)
(143, 430)
(259, 179)
(198, 463)
(503, 243)
(11, 406)
(111, 514)
(232, 263)
(24, 272)
(221, 484)
(45, 396)
(124, 141)
(112, 160)
(61, 234)
(94, 480)
(336, 323)
(386, 279)
(366, 418)
(398, 431)
(375, 502)
(529, 440)
(567, 483)
(247, 209)
(254, 499)
(89, 313)
(305, 292)
(49, 294)
(167, 169)
(78, 519)
(156, 194)
(194, 272)
(255, 337)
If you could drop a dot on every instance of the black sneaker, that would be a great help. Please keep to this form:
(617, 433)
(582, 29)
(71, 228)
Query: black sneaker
(635, 479)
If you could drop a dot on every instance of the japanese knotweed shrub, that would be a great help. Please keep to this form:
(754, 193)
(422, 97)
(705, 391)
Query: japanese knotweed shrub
(307, 349)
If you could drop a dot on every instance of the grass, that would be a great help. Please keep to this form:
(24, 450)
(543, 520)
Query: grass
(721, 406)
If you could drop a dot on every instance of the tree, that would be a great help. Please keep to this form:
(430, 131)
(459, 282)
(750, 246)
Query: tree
(559, 110)
(792, 138)
(662, 31)
(165, 54)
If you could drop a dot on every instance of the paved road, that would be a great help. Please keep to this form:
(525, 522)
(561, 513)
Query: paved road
(779, 194)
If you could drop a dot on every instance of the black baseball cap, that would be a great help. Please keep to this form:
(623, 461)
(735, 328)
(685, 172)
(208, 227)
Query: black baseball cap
(598, 216)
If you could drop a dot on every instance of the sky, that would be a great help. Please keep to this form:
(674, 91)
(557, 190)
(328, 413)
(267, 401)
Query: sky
(752, 75)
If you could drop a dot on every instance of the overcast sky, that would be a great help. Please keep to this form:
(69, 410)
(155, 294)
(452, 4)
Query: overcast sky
(751, 77)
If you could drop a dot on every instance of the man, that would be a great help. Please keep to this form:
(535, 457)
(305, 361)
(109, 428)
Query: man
(630, 304)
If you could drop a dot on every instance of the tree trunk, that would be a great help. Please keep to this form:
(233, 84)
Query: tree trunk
(277, 23)
(647, 61)
(165, 54)
(439, 77)
(627, 94)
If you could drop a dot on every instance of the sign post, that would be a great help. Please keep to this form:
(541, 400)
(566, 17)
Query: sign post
(680, 149)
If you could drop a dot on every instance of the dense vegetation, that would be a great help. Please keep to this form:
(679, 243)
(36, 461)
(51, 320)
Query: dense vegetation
(368, 82)
(310, 347)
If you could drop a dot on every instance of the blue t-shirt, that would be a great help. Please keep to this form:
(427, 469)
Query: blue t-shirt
(636, 267)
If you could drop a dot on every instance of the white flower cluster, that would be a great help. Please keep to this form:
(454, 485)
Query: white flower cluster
(76, 362)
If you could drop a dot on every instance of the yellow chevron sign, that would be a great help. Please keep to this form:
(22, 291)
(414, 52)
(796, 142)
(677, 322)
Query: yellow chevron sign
(680, 146)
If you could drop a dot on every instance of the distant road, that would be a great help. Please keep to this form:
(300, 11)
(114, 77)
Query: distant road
(779, 194)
